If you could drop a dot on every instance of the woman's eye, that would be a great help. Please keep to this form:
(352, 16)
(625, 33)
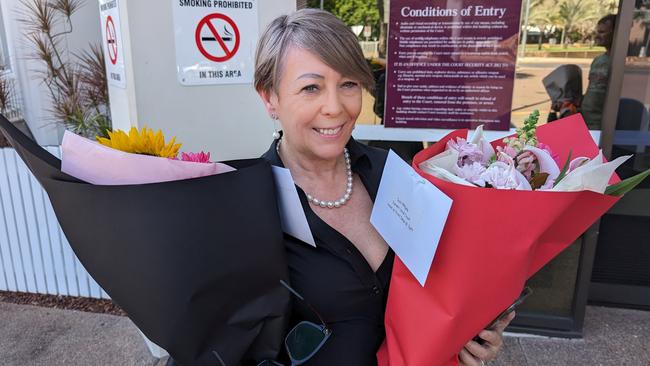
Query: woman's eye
(310, 88)
(350, 84)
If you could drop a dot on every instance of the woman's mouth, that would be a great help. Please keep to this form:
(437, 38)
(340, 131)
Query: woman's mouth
(329, 132)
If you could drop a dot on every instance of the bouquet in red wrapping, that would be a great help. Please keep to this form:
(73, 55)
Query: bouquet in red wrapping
(517, 203)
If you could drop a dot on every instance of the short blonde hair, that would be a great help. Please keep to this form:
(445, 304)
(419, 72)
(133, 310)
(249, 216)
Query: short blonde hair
(318, 32)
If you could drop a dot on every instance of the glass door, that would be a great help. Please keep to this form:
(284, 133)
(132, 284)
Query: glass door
(621, 271)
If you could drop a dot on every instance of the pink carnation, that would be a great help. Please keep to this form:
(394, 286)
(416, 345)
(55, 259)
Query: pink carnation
(472, 173)
(467, 151)
(503, 176)
(200, 157)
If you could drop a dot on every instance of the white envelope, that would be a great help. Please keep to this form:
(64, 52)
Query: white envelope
(410, 214)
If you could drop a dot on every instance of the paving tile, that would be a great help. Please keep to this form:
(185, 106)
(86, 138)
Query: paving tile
(512, 354)
(31, 335)
(611, 337)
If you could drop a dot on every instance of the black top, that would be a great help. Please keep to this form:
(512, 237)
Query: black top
(336, 279)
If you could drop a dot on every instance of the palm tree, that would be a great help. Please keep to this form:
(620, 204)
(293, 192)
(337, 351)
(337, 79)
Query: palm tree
(572, 12)
(543, 15)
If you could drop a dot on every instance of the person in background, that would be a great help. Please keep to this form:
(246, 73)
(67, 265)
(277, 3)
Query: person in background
(594, 98)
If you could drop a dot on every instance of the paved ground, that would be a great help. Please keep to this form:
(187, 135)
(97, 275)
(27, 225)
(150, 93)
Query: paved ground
(32, 335)
(611, 337)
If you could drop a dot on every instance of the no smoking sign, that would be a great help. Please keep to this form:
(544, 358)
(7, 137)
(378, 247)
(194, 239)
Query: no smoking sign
(110, 21)
(217, 37)
(215, 41)
(111, 40)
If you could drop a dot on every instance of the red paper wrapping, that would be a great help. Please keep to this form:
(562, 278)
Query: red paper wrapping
(493, 241)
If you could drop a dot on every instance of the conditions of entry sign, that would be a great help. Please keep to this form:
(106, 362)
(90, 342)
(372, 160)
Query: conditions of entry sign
(215, 41)
(112, 42)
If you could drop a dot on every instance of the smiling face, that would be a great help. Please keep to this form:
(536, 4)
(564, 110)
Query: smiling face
(316, 106)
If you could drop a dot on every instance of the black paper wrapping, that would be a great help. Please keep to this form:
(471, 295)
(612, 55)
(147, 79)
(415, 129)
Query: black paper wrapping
(196, 264)
(564, 84)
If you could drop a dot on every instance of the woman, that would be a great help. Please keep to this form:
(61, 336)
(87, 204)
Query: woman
(310, 73)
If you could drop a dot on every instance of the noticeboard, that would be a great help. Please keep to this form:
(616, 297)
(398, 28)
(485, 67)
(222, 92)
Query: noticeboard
(451, 63)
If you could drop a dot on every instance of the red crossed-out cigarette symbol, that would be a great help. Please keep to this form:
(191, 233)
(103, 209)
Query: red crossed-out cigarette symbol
(227, 47)
(111, 40)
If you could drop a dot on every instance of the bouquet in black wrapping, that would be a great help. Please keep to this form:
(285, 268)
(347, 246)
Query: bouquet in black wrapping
(196, 263)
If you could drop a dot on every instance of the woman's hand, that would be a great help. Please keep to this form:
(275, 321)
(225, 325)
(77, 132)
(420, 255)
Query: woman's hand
(475, 354)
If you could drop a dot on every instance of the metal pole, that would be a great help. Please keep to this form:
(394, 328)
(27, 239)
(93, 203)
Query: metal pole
(522, 48)
(617, 56)
(321, 4)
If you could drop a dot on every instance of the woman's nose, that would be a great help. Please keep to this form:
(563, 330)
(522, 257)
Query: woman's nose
(332, 105)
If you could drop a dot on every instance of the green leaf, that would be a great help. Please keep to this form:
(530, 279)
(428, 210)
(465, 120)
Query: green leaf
(626, 185)
(527, 132)
(564, 169)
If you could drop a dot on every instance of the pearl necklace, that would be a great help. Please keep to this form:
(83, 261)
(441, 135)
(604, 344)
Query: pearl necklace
(348, 190)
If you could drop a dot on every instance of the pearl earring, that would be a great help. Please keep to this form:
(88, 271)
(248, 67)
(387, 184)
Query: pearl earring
(276, 133)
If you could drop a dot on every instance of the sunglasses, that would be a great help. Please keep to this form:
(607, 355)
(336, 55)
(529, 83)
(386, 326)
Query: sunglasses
(305, 339)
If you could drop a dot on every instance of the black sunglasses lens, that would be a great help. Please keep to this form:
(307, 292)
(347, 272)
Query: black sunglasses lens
(304, 340)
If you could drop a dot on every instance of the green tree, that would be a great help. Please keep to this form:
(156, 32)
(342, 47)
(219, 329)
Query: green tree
(582, 15)
(575, 18)
(358, 12)
(383, 28)
(543, 15)
(352, 12)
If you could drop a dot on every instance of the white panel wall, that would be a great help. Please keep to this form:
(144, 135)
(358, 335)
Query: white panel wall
(34, 253)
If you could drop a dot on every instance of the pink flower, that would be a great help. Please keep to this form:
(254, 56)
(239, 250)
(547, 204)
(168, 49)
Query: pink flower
(472, 173)
(544, 162)
(200, 157)
(508, 150)
(526, 163)
(486, 148)
(487, 151)
(578, 162)
(504, 176)
(467, 151)
(504, 157)
(547, 148)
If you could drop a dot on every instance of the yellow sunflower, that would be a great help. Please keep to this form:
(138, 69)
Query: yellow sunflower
(144, 142)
